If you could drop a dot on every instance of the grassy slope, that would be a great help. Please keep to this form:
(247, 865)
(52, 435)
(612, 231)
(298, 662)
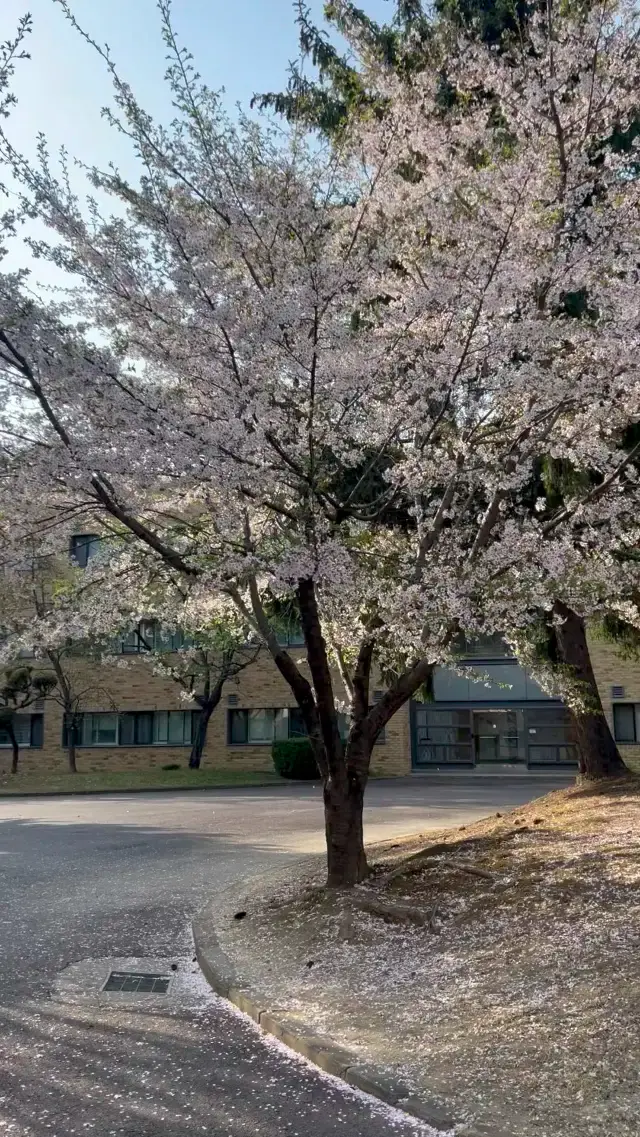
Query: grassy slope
(115, 781)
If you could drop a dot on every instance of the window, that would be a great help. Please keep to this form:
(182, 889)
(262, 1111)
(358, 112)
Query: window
(175, 728)
(28, 730)
(442, 737)
(261, 727)
(149, 636)
(141, 638)
(297, 729)
(83, 548)
(136, 729)
(484, 647)
(173, 641)
(133, 728)
(99, 730)
(624, 722)
(549, 736)
(291, 636)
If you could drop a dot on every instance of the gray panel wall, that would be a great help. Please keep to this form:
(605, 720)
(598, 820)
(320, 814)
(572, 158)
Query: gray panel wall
(506, 682)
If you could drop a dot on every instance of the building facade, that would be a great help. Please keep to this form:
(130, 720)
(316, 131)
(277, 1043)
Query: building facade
(486, 713)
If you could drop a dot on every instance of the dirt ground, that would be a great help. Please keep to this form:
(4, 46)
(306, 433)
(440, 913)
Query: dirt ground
(514, 1000)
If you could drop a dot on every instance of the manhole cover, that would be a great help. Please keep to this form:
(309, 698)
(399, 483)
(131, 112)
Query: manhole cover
(137, 981)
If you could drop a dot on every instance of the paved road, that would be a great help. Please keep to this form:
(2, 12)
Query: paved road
(122, 876)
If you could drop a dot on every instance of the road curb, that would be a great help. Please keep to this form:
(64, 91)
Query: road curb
(28, 795)
(378, 1081)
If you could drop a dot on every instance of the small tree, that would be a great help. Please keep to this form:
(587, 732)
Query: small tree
(70, 693)
(20, 688)
(201, 668)
(35, 604)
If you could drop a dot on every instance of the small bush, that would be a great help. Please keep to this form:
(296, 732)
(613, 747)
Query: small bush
(293, 758)
(172, 766)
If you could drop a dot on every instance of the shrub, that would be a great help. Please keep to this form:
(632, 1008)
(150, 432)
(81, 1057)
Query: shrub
(172, 766)
(293, 758)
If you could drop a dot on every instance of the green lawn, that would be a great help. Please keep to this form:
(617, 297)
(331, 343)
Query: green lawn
(123, 780)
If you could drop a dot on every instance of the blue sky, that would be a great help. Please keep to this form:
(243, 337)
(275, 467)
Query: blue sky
(242, 45)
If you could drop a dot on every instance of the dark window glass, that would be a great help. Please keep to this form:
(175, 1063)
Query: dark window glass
(72, 723)
(485, 647)
(127, 730)
(237, 726)
(551, 755)
(83, 547)
(100, 729)
(624, 722)
(37, 730)
(290, 635)
(548, 716)
(144, 728)
(195, 722)
(21, 729)
(179, 727)
(133, 728)
(261, 725)
(297, 729)
(142, 638)
(442, 736)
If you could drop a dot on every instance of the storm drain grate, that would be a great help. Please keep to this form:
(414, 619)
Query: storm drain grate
(138, 982)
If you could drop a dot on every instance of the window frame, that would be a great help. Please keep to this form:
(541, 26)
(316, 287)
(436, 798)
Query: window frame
(139, 646)
(633, 707)
(290, 635)
(293, 724)
(89, 543)
(35, 730)
(136, 718)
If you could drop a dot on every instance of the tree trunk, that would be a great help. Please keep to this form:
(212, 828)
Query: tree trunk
(343, 804)
(15, 750)
(71, 758)
(197, 748)
(598, 754)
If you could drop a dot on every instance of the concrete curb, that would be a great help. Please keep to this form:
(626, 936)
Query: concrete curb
(28, 794)
(380, 1082)
(428, 775)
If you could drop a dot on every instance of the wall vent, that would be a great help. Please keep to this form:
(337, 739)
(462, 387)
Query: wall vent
(37, 707)
(617, 692)
(377, 695)
(232, 700)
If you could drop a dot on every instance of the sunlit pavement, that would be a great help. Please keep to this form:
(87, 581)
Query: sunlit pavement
(118, 876)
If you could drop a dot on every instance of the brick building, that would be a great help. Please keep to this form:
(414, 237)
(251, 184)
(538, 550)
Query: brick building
(488, 712)
(503, 721)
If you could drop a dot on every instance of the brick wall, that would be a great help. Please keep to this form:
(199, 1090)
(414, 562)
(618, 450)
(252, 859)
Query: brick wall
(136, 688)
(611, 670)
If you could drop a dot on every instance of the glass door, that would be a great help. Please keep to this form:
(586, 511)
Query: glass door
(495, 736)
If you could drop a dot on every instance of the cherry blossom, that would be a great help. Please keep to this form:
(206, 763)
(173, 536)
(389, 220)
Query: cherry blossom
(329, 376)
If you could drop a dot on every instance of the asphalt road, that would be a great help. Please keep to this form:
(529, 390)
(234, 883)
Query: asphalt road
(122, 876)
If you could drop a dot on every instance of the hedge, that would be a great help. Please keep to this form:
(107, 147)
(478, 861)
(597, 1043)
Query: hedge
(293, 758)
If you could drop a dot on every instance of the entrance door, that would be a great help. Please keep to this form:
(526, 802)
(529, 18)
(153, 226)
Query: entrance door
(495, 736)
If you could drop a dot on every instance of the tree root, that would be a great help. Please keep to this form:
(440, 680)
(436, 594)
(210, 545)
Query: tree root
(396, 913)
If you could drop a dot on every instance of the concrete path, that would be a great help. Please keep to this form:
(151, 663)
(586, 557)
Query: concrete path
(122, 876)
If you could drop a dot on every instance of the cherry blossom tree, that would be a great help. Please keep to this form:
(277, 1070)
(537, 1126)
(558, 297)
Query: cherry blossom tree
(326, 375)
(347, 87)
(42, 645)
